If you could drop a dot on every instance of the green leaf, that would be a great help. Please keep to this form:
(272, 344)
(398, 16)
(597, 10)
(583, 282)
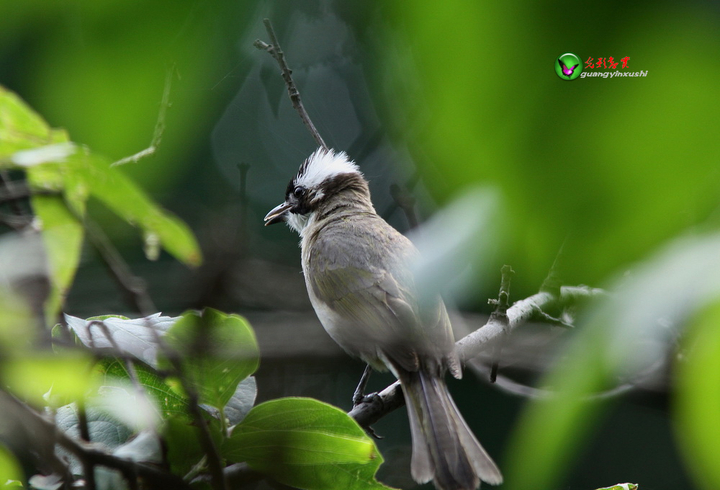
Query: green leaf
(62, 236)
(182, 437)
(306, 444)
(46, 379)
(16, 333)
(9, 468)
(218, 351)
(170, 402)
(127, 200)
(22, 128)
(698, 399)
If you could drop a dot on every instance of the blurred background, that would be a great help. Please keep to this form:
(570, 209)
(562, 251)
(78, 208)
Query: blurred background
(593, 174)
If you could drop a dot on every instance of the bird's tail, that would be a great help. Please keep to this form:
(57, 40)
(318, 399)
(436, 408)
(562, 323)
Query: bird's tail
(443, 447)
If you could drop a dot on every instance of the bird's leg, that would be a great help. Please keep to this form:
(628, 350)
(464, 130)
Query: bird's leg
(359, 394)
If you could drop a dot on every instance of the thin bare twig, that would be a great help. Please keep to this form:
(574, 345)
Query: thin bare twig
(88, 466)
(10, 193)
(405, 201)
(132, 286)
(405, 189)
(274, 49)
(159, 125)
(500, 315)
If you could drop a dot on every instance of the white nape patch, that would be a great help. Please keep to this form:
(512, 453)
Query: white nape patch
(323, 164)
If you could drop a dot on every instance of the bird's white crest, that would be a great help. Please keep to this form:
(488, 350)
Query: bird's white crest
(323, 164)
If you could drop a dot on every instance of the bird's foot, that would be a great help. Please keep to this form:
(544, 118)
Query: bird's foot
(359, 393)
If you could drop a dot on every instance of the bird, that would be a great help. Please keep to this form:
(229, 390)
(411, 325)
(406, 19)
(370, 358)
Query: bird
(566, 71)
(359, 277)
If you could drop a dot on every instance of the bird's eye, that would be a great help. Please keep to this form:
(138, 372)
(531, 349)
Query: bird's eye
(299, 192)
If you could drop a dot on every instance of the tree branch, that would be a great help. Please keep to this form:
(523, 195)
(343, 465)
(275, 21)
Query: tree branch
(91, 454)
(374, 408)
(274, 49)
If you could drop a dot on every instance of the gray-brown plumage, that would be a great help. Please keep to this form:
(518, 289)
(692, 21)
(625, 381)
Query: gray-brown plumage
(359, 278)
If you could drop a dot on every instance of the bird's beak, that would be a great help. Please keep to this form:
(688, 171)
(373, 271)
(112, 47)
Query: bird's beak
(277, 214)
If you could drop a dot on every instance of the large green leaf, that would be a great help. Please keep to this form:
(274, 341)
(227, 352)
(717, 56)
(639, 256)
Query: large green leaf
(217, 352)
(306, 444)
(127, 200)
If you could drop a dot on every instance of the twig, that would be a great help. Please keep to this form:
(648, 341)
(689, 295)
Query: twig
(88, 466)
(405, 201)
(367, 413)
(129, 365)
(19, 190)
(132, 286)
(159, 125)
(153, 477)
(18, 220)
(553, 282)
(409, 186)
(9, 185)
(500, 315)
(274, 49)
(212, 454)
(558, 322)
(513, 387)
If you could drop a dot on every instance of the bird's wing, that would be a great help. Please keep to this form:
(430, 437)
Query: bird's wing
(373, 296)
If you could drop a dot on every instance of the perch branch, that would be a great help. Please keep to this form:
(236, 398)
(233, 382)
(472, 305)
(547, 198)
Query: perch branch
(368, 412)
(274, 49)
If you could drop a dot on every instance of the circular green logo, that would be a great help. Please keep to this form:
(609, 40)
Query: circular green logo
(568, 66)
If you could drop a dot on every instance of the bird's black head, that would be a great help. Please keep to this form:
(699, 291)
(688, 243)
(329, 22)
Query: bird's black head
(323, 175)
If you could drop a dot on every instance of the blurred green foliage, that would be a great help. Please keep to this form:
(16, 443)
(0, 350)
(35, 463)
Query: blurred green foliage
(610, 167)
(56, 166)
(608, 170)
(698, 402)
